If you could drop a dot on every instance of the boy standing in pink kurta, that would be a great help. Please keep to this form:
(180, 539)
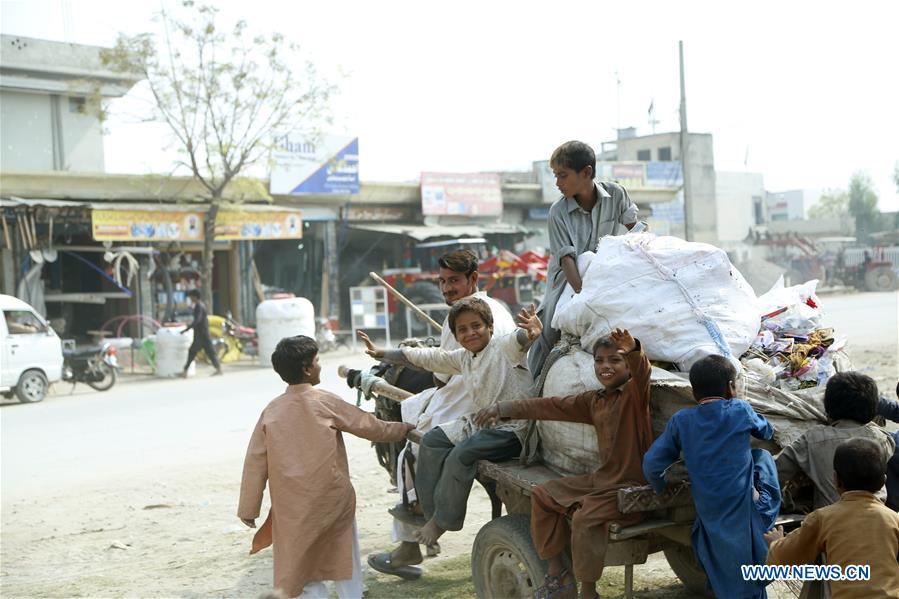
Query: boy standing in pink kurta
(298, 448)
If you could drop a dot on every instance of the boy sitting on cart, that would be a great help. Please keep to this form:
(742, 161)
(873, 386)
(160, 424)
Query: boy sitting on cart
(620, 415)
(492, 368)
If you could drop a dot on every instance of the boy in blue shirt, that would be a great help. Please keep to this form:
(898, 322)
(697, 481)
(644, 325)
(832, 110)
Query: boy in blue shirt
(734, 487)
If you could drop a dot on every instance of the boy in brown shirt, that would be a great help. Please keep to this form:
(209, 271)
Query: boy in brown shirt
(856, 530)
(297, 448)
(620, 415)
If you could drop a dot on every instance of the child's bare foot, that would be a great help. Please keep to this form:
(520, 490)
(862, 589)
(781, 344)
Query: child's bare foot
(429, 533)
(755, 495)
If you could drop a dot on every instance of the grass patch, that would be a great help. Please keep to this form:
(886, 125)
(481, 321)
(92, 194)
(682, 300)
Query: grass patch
(444, 579)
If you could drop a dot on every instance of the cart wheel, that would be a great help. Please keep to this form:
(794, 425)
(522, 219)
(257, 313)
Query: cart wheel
(683, 561)
(504, 562)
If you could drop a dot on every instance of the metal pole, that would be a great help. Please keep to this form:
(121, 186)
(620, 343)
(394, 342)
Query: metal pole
(685, 149)
(402, 298)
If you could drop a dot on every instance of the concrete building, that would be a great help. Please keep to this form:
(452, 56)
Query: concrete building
(787, 205)
(740, 205)
(45, 93)
(665, 147)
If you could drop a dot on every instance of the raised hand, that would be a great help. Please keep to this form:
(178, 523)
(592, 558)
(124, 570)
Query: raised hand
(370, 348)
(622, 338)
(528, 320)
(487, 416)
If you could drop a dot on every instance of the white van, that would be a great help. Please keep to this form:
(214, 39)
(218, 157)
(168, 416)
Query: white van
(30, 351)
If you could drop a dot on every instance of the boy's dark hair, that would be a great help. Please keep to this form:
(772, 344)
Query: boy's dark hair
(292, 355)
(463, 261)
(851, 396)
(470, 304)
(605, 341)
(194, 293)
(860, 465)
(710, 375)
(575, 155)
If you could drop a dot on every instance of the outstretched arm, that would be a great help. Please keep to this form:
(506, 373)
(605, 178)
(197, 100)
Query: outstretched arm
(572, 408)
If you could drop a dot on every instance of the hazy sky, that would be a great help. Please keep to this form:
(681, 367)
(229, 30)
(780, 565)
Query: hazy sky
(805, 93)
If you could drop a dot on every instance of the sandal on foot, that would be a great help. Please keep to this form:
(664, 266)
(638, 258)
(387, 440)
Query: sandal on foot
(554, 588)
(383, 564)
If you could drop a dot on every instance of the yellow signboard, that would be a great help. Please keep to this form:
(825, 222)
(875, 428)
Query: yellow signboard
(161, 226)
(141, 225)
(258, 225)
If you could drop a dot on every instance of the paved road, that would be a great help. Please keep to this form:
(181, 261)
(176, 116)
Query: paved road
(146, 424)
(865, 318)
(89, 436)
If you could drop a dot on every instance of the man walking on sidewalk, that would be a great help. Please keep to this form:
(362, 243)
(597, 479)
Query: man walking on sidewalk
(202, 338)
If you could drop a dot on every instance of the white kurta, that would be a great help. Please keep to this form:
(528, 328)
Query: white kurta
(495, 374)
(433, 407)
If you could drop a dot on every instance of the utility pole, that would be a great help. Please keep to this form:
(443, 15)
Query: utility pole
(618, 94)
(684, 148)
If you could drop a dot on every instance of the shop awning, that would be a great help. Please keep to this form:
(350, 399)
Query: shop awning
(423, 232)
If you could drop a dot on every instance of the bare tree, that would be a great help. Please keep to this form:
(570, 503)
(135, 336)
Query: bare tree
(222, 94)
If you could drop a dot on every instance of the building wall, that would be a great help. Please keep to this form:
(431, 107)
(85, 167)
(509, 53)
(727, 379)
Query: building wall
(26, 132)
(739, 199)
(786, 205)
(43, 132)
(701, 174)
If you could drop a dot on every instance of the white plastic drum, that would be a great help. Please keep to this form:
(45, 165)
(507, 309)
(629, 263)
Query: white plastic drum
(171, 350)
(279, 318)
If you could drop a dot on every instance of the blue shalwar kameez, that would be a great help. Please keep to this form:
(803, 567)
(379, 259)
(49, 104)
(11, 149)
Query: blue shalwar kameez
(729, 527)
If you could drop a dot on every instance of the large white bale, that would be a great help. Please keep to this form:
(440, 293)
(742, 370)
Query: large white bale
(569, 446)
(683, 300)
(171, 350)
(279, 318)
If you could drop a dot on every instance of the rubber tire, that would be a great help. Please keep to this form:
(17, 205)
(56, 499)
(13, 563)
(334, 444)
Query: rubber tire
(880, 278)
(683, 561)
(419, 292)
(510, 536)
(31, 376)
(108, 380)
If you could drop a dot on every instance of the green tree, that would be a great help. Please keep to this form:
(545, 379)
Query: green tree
(863, 204)
(833, 203)
(223, 93)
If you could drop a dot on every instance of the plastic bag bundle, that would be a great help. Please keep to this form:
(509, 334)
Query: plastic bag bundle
(683, 300)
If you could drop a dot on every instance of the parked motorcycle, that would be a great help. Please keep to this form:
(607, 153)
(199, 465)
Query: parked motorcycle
(96, 366)
(231, 339)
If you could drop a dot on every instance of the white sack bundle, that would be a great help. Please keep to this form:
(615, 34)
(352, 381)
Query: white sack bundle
(683, 300)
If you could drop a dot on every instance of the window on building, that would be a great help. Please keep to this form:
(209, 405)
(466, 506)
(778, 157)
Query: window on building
(665, 154)
(758, 210)
(644, 155)
(76, 105)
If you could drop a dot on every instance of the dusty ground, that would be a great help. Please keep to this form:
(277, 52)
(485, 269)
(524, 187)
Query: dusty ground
(151, 524)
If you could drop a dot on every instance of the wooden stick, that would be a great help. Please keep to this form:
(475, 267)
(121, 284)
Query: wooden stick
(34, 238)
(381, 387)
(5, 230)
(402, 298)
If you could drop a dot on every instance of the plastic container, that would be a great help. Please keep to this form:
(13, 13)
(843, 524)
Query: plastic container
(279, 318)
(171, 350)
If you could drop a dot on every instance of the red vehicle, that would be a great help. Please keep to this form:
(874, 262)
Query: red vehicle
(515, 280)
